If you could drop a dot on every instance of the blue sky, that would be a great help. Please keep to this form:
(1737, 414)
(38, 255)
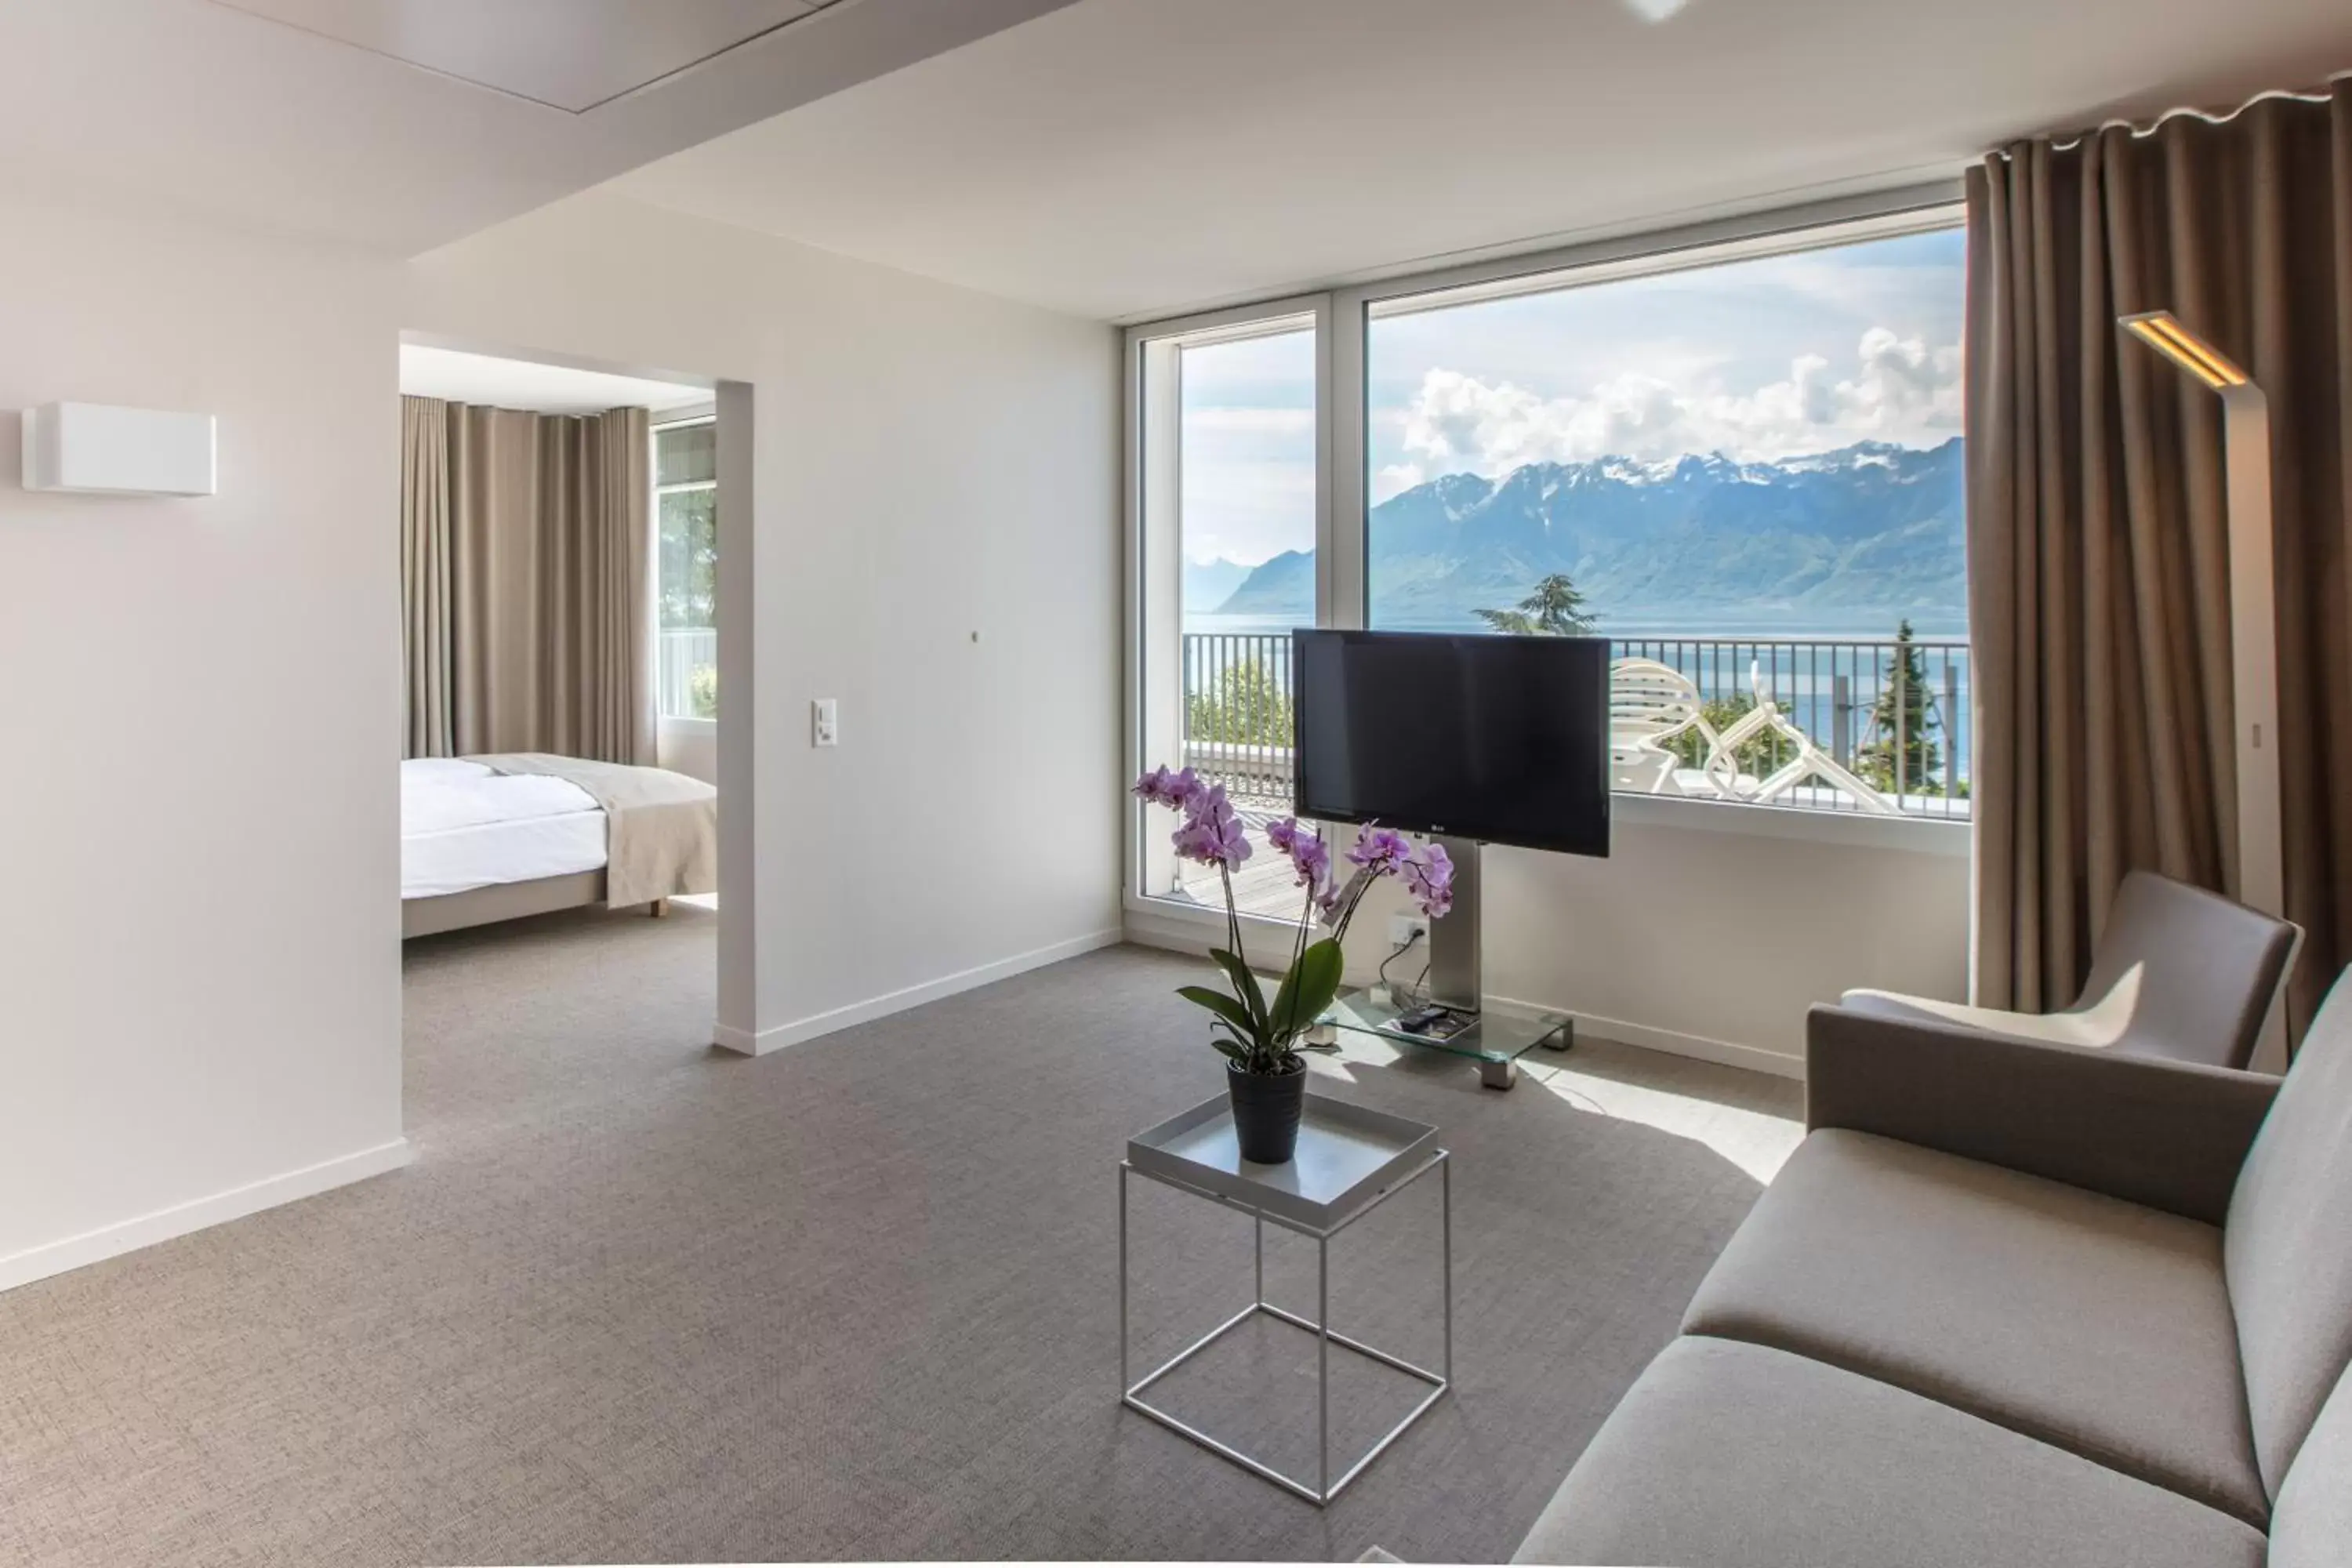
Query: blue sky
(1760, 360)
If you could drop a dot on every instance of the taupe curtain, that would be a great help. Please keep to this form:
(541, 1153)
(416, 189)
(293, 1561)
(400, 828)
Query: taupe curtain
(2097, 539)
(425, 563)
(527, 569)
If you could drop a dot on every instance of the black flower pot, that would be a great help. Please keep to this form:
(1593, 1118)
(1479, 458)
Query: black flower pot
(1267, 1107)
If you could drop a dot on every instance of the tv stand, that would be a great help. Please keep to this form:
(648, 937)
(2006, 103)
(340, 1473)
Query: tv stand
(1495, 1034)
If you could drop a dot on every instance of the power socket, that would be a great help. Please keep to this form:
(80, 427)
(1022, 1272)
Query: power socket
(1404, 929)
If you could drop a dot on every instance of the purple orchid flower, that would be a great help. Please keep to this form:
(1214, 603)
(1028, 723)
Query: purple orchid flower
(1163, 787)
(1310, 857)
(1212, 834)
(1381, 850)
(1429, 877)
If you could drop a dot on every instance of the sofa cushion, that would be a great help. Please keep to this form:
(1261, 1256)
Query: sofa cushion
(1736, 1454)
(2091, 1323)
(2312, 1525)
(2289, 1270)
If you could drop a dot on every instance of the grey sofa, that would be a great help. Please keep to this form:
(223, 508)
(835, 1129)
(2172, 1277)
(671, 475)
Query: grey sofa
(2014, 1303)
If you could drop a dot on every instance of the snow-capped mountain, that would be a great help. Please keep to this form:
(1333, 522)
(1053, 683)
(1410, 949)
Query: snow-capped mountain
(1871, 526)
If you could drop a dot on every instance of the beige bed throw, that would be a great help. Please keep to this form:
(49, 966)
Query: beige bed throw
(661, 828)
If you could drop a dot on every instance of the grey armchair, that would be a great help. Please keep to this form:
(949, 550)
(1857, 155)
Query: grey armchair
(2180, 974)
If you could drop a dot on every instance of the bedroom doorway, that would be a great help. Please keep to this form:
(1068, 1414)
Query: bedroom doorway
(560, 582)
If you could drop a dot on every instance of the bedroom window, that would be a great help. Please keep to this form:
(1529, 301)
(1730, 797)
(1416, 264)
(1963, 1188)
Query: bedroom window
(685, 578)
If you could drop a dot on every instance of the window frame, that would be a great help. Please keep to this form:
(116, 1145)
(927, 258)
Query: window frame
(671, 419)
(1152, 466)
(1343, 315)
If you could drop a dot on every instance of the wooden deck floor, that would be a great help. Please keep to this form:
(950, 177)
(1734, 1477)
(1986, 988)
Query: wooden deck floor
(1266, 885)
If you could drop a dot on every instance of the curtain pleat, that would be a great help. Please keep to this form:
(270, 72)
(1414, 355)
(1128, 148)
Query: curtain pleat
(528, 575)
(2098, 530)
(426, 598)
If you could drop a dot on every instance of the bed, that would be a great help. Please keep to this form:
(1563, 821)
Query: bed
(497, 837)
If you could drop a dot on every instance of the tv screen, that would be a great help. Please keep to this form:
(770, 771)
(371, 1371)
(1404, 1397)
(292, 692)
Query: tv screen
(1500, 739)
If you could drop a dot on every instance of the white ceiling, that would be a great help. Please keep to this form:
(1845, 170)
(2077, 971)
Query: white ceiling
(429, 372)
(567, 54)
(219, 112)
(1128, 158)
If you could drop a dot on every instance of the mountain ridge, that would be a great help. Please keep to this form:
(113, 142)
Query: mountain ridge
(1870, 526)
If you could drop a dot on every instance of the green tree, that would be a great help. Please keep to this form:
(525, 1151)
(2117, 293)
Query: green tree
(1556, 609)
(687, 534)
(1902, 723)
(1244, 706)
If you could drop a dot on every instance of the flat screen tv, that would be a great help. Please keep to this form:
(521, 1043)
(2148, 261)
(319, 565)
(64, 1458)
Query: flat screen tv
(1504, 740)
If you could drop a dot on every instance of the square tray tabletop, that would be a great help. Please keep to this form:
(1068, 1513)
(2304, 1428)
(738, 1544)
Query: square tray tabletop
(1348, 1156)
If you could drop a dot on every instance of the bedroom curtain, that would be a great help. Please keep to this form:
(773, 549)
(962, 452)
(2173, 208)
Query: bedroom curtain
(531, 598)
(426, 560)
(2098, 538)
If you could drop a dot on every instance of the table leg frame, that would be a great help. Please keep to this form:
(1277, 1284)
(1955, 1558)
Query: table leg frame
(1326, 1489)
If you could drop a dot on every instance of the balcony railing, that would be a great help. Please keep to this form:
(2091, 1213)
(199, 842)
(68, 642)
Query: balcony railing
(1893, 713)
(686, 673)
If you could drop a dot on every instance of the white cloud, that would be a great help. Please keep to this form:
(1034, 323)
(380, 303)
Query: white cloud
(1898, 389)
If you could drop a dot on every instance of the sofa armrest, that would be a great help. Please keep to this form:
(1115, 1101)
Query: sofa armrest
(2167, 1134)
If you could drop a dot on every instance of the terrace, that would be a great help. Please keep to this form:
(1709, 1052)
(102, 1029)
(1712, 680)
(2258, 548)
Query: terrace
(685, 672)
(1892, 715)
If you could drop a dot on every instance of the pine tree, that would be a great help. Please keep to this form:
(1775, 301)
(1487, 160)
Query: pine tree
(1902, 722)
(1555, 609)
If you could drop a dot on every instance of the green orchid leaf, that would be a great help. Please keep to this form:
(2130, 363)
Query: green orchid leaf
(1238, 1047)
(1223, 1005)
(1308, 988)
(1246, 985)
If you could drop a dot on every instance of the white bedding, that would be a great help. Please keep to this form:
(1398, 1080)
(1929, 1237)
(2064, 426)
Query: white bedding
(463, 826)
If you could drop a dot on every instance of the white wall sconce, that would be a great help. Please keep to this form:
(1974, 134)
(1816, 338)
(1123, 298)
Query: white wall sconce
(92, 449)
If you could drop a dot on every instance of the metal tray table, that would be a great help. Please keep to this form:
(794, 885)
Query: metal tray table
(1350, 1159)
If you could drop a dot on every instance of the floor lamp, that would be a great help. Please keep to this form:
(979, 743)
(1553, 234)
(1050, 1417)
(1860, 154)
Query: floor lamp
(2253, 625)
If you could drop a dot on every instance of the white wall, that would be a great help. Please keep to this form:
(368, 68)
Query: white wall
(688, 746)
(199, 961)
(930, 463)
(1714, 944)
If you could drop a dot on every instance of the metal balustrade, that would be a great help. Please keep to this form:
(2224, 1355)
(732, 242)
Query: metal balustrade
(1895, 713)
(682, 651)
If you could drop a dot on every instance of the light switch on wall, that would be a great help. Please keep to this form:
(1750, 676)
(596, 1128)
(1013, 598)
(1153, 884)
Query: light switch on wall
(824, 723)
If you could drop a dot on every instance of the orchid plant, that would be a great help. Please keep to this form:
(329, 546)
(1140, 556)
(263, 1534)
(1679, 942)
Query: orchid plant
(1256, 1034)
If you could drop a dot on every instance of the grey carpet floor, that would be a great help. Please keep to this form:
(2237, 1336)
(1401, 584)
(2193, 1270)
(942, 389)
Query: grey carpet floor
(640, 1300)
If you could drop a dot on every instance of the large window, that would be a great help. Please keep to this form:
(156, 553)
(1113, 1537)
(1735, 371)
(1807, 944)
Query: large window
(1747, 471)
(1739, 459)
(1754, 445)
(686, 510)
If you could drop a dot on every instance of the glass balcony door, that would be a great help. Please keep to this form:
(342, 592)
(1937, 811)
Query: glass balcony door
(1230, 490)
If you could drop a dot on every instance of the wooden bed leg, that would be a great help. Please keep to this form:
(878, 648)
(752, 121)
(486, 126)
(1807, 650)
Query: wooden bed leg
(658, 908)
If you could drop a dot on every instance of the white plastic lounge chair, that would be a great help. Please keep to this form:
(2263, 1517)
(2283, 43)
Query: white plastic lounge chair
(1650, 703)
(1810, 761)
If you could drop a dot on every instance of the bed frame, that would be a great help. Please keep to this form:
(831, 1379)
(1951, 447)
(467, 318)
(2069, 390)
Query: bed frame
(507, 902)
